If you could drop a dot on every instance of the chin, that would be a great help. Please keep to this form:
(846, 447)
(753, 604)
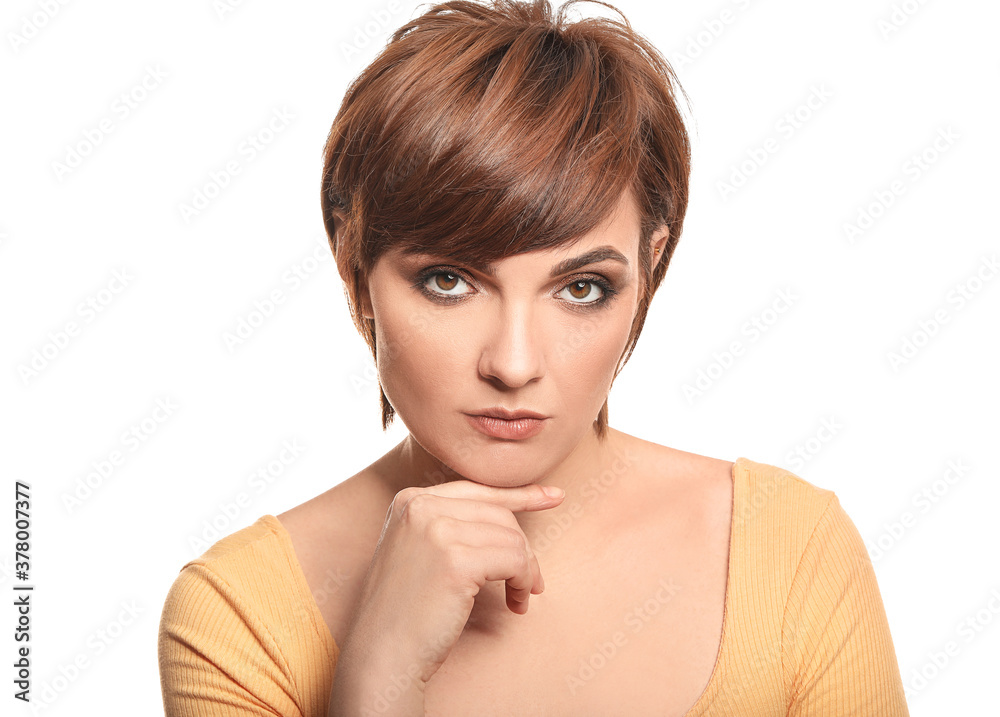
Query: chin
(467, 454)
(505, 468)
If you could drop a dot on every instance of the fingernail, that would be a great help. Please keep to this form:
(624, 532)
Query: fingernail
(553, 492)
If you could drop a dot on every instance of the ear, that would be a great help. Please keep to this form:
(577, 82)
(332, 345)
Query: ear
(365, 299)
(657, 245)
(339, 219)
(364, 296)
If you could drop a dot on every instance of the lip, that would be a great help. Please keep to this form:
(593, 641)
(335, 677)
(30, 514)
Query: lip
(507, 414)
(510, 429)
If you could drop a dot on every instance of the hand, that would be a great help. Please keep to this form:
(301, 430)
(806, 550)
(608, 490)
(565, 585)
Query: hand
(439, 545)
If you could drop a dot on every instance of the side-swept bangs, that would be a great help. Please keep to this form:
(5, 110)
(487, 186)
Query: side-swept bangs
(482, 131)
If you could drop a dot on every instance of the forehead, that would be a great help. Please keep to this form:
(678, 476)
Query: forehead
(614, 239)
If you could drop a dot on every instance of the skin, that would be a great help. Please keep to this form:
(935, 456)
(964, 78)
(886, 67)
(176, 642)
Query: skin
(521, 339)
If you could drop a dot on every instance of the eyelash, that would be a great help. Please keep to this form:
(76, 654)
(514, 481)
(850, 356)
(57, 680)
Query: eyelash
(608, 292)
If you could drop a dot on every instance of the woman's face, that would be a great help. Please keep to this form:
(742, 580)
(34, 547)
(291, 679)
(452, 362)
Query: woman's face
(539, 335)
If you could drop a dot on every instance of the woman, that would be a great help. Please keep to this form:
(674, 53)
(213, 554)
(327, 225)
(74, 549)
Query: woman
(503, 192)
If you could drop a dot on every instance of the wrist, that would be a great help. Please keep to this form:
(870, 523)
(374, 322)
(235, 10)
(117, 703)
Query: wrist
(363, 688)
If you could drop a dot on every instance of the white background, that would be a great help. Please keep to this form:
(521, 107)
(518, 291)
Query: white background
(895, 78)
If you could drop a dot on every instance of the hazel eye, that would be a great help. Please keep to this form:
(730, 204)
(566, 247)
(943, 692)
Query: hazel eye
(587, 290)
(445, 285)
(439, 284)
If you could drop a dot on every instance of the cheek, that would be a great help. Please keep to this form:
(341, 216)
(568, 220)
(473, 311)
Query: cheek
(424, 359)
(584, 357)
(417, 358)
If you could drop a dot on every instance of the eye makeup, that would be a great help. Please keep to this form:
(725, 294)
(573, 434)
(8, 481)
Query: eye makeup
(608, 290)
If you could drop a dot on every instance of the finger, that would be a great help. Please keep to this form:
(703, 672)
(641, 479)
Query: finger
(487, 536)
(517, 499)
(509, 564)
(475, 511)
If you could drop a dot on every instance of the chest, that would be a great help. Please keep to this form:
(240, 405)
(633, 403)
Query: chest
(626, 628)
(630, 622)
(627, 637)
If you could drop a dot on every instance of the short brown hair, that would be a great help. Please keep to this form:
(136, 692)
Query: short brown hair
(501, 116)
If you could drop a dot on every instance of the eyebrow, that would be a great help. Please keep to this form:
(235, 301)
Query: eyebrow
(602, 253)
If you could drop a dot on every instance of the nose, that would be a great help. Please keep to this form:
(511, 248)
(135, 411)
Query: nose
(512, 348)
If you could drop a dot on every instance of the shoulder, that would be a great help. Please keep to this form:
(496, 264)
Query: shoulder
(333, 537)
(237, 628)
(701, 484)
(766, 507)
(334, 527)
(233, 550)
(239, 556)
(770, 491)
(791, 529)
(237, 578)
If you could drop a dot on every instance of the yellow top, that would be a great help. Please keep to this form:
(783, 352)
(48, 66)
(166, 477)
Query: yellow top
(804, 633)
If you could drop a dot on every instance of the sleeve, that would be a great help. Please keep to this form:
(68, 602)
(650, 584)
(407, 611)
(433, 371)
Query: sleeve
(216, 657)
(839, 656)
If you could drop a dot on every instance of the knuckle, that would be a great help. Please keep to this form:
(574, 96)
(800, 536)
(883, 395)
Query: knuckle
(438, 531)
(456, 560)
(520, 560)
(416, 505)
(399, 501)
(517, 539)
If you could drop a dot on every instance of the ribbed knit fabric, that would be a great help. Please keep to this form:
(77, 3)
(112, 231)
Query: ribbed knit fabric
(804, 634)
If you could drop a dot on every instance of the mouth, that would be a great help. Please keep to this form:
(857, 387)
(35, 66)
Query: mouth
(510, 429)
(507, 414)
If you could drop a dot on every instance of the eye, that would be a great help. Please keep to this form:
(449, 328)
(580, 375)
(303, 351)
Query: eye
(584, 289)
(583, 292)
(441, 282)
